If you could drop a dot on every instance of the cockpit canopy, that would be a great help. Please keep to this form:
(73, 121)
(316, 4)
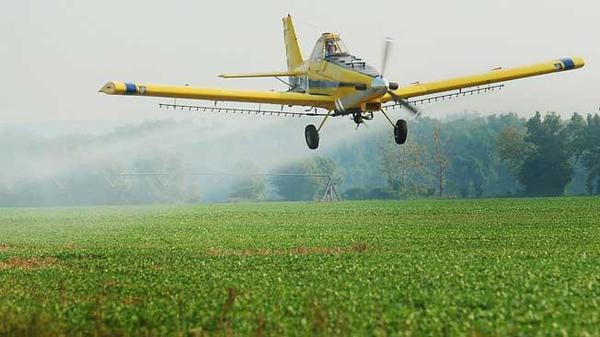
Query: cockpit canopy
(328, 45)
(331, 48)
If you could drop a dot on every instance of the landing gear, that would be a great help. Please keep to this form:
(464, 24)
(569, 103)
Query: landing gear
(400, 131)
(311, 133)
(312, 136)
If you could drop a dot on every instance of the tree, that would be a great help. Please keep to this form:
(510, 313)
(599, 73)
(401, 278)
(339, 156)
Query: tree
(251, 188)
(474, 164)
(400, 162)
(541, 158)
(587, 145)
(439, 158)
(248, 188)
(512, 148)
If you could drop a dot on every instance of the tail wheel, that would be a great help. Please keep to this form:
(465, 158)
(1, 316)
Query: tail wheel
(312, 136)
(400, 131)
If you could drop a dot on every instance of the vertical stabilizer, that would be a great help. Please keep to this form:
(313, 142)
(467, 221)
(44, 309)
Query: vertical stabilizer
(292, 49)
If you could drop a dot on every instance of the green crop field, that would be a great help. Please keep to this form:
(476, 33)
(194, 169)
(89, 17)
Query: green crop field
(508, 267)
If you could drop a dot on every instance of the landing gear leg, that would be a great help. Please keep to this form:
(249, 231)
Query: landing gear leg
(311, 133)
(400, 129)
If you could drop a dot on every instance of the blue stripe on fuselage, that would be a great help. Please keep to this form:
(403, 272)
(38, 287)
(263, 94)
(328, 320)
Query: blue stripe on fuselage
(569, 64)
(130, 88)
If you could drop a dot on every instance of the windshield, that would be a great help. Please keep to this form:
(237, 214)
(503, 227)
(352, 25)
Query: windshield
(328, 47)
(335, 47)
(317, 53)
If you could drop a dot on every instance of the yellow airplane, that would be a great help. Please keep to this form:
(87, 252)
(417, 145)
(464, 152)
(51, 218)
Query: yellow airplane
(338, 82)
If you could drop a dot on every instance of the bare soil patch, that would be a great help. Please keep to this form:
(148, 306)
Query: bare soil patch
(28, 264)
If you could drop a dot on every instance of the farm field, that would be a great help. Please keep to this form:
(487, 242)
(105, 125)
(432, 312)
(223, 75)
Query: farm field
(494, 267)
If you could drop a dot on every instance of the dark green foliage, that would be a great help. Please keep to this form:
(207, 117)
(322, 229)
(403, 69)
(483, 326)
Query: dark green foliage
(587, 147)
(547, 168)
(542, 156)
(377, 193)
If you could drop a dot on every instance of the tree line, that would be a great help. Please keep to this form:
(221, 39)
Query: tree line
(466, 157)
(470, 157)
(493, 156)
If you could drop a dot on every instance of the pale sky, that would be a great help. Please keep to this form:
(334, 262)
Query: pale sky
(56, 54)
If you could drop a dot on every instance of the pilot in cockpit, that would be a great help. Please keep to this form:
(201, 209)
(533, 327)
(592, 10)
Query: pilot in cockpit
(331, 48)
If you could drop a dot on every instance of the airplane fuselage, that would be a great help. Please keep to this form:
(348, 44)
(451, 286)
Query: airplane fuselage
(335, 74)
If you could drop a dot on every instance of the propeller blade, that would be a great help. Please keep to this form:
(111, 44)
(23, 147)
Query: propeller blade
(403, 103)
(387, 49)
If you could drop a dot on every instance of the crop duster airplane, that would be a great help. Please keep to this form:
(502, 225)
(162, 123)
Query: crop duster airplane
(339, 83)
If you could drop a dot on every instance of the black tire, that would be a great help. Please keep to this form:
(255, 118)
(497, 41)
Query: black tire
(312, 137)
(400, 131)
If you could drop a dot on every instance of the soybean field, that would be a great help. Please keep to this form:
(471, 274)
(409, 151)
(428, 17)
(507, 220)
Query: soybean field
(491, 267)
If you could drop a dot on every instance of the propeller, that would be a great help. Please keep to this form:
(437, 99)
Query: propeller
(387, 49)
(379, 87)
(404, 103)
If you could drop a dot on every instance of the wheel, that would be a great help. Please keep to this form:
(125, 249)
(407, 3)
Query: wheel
(400, 131)
(312, 136)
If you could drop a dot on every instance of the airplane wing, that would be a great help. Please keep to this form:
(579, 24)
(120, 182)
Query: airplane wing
(328, 102)
(211, 94)
(494, 76)
(270, 74)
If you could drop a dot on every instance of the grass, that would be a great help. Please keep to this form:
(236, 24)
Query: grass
(510, 267)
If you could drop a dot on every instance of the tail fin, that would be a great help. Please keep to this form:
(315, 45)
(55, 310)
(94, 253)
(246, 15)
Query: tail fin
(292, 49)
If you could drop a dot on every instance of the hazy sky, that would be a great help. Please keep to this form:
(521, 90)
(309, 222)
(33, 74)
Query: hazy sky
(55, 55)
